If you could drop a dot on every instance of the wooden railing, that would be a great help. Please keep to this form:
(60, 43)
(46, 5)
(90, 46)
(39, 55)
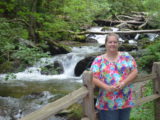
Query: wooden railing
(86, 93)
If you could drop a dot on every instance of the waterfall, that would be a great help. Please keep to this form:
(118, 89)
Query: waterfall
(68, 61)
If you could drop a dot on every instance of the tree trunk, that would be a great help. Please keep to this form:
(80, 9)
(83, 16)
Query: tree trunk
(32, 21)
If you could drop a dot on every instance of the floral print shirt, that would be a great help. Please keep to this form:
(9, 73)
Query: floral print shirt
(112, 73)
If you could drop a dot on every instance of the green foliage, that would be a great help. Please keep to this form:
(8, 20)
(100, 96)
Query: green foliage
(81, 13)
(7, 6)
(29, 55)
(8, 34)
(153, 55)
(76, 112)
(154, 12)
(124, 6)
(145, 111)
(6, 66)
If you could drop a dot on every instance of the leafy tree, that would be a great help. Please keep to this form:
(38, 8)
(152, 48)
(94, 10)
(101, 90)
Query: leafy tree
(152, 7)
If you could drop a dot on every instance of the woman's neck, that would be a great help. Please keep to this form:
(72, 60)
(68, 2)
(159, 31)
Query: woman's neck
(112, 56)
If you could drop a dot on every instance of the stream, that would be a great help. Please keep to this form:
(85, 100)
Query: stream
(29, 90)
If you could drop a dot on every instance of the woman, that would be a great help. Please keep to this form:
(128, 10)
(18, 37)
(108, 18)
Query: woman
(113, 73)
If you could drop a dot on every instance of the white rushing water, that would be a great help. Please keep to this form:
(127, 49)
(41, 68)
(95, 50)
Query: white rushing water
(100, 38)
(68, 61)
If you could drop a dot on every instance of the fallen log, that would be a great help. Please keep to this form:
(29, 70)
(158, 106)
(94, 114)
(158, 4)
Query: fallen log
(119, 32)
(112, 23)
(133, 17)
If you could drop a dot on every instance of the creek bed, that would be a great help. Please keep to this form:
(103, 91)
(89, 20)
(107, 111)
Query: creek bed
(18, 98)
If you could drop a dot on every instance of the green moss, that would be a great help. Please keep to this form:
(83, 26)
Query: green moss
(65, 47)
(75, 112)
(127, 47)
(106, 29)
(6, 66)
(80, 38)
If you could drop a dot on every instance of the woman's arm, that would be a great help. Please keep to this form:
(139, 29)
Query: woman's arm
(131, 77)
(102, 85)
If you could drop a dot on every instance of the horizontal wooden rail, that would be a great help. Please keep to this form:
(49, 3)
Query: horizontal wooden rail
(85, 118)
(146, 99)
(60, 104)
(142, 78)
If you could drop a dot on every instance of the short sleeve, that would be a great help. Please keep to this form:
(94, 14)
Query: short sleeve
(132, 63)
(95, 67)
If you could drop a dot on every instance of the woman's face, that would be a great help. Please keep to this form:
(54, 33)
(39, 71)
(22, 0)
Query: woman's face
(112, 44)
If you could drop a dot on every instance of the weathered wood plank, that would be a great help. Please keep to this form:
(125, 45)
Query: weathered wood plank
(60, 104)
(88, 101)
(156, 87)
(146, 99)
(142, 78)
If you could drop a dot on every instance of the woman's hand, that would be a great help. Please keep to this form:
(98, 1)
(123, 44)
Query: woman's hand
(120, 86)
(110, 88)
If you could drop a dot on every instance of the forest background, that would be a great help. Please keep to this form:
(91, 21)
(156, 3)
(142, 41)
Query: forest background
(40, 23)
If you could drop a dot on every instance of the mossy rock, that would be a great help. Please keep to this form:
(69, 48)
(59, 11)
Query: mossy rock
(128, 47)
(106, 29)
(53, 69)
(80, 38)
(57, 48)
(6, 67)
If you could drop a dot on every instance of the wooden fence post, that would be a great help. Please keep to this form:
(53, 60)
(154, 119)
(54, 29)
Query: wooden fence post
(88, 101)
(156, 71)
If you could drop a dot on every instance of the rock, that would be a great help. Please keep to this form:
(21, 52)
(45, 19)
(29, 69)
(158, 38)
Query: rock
(83, 65)
(128, 47)
(127, 36)
(80, 38)
(91, 40)
(56, 48)
(52, 69)
(59, 67)
(106, 29)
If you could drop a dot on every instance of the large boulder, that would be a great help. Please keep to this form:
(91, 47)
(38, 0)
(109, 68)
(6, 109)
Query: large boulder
(83, 65)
